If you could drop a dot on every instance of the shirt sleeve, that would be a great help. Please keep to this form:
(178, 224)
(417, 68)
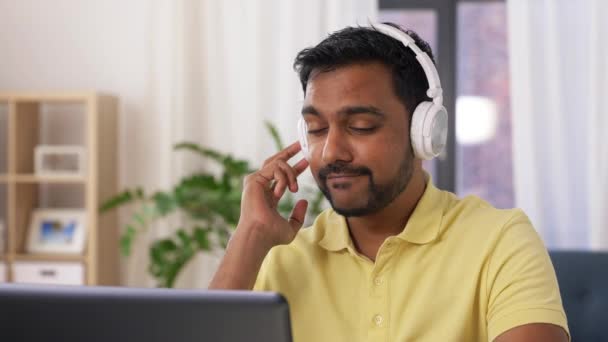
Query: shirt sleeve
(521, 281)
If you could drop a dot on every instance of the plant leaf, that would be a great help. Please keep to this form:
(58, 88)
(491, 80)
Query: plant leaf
(185, 239)
(232, 166)
(274, 133)
(204, 152)
(202, 239)
(164, 202)
(126, 240)
(157, 253)
(167, 245)
(117, 201)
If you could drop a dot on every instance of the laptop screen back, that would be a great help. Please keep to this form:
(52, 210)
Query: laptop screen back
(70, 314)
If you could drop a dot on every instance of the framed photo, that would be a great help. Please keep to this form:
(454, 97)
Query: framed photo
(57, 231)
(59, 160)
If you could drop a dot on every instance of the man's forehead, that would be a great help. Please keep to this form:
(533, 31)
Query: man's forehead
(349, 78)
(350, 90)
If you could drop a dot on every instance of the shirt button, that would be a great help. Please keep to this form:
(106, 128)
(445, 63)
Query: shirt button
(378, 281)
(378, 320)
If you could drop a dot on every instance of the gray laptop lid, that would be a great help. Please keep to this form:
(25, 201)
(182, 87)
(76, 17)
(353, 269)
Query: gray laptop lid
(71, 314)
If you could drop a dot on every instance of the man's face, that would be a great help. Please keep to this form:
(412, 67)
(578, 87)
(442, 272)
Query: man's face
(358, 137)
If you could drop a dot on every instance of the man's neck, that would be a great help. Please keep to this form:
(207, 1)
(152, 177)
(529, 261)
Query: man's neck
(369, 232)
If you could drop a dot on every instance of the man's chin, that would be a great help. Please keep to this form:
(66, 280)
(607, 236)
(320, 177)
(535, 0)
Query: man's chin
(348, 204)
(352, 211)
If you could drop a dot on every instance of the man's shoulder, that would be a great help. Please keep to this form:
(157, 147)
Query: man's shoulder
(472, 210)
(479, 220)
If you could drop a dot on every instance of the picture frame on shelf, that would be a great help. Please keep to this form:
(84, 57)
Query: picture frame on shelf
(59, 160)
(61, 231)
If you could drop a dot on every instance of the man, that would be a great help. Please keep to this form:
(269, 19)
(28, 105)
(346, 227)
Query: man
(395, 259)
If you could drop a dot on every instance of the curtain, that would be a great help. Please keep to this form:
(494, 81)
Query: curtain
(559, 77)
(220, 69)
(208, 71)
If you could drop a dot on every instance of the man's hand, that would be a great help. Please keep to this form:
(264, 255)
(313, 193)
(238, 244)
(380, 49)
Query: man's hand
(260, 226)
(261, 193)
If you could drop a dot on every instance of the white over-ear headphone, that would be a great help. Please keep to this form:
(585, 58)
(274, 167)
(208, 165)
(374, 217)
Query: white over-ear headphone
(429, 126)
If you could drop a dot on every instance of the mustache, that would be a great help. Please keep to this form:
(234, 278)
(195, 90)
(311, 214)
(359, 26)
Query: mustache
(343, 168)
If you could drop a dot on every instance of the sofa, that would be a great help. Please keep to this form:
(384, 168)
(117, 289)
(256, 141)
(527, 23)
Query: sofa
(583, 283)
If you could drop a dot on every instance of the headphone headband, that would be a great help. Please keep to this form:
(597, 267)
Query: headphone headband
(434, 92)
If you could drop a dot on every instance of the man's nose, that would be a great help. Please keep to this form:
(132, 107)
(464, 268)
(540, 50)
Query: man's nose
(337, 147)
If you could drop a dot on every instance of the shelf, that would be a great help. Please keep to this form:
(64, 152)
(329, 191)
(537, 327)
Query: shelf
(49, 257)
(30, 178)
(78, 96)
(84, 118)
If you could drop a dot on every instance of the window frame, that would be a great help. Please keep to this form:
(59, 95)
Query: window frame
(446, 11)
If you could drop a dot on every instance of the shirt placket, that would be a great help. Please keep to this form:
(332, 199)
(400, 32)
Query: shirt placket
(378, 283)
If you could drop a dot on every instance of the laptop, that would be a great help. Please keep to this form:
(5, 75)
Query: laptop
(113, 314)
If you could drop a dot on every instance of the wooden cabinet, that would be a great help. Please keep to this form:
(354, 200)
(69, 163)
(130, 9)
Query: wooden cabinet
(86, 119)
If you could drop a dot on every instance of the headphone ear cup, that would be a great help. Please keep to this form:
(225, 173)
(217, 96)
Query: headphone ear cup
(429, 131)
(417, 129)
(303, 138)
(438, 130)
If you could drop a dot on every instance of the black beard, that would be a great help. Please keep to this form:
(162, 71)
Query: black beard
(380, 195)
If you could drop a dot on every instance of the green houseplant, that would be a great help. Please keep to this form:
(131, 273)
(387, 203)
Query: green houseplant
(208, 204)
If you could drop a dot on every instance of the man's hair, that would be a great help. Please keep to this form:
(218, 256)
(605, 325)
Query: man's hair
(357, 45)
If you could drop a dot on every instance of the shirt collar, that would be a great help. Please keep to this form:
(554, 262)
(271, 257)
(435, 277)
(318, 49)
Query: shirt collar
(423, 226)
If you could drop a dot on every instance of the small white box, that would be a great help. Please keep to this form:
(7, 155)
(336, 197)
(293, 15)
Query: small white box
(2, 272)
(52, 273)
(59, 160)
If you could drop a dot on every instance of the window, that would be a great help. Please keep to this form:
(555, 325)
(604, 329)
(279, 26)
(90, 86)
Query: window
(483, 120)
(470, 39)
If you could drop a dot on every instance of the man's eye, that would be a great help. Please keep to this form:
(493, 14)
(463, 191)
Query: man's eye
(363, 129)
(317, 131)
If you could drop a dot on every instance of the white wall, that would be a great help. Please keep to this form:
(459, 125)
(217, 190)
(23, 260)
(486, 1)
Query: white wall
(101, 45)
(106, 46)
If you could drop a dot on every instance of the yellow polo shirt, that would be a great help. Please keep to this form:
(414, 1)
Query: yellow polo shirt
(461, 270)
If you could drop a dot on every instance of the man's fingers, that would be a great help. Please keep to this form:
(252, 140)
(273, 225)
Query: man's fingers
(296, 220)
(259, 178)
(285, 154)
(278, 174)
(300, 166)
(268, 171)
(291, 175)
(281, 182)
